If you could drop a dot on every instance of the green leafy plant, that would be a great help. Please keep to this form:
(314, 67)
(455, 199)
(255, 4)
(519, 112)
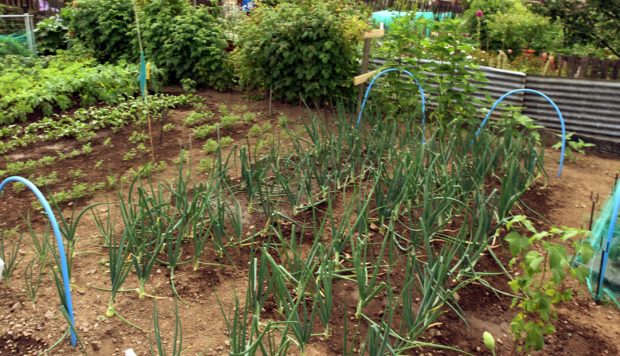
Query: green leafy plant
(305, 49)
(105, 27)
(187, 43)
(545, 265)
(204, 131)
(51, 34)
(573, 147)
(198, 117)
(212, 145)
(55, 82)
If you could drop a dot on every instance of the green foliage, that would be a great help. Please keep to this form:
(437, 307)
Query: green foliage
(26, 167)
(510, 24)
(545, 264)
(186, 43)
(83, 123)
(212, 145)
(306, 49)
(105, 27)
(573, 147)
(198, 117)
(589, 22)
(51, 34)
(204, 131)
(411, 40)
(478, 26)
(520, 28)
(76, 192)
(56, 82)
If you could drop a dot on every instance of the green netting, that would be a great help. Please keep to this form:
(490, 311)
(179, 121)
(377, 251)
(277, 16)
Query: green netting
(604, 278)
(14, 44)
(19, 37)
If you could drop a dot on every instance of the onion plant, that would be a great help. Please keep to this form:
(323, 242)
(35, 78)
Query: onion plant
(177, 341)
(10, 253)
(68, 227)
(118, 254)
(33, 276)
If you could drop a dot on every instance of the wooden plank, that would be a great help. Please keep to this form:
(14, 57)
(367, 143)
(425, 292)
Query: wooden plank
(363, 78)
(605, 68)
(615, 70)
(376, 33)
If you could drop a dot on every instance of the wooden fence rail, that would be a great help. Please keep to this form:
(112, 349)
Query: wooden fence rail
(586, 67)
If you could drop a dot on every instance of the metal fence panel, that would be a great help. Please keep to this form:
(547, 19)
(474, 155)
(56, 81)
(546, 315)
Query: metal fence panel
(497, 83)
(589, 107)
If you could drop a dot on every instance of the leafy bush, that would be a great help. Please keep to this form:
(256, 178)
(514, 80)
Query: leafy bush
(105, 27)
(186, 43)
(51, 34)
(307, 49)
(520, 28)
(588, 22)
(509, 24)
(56, 83)
(477, 25)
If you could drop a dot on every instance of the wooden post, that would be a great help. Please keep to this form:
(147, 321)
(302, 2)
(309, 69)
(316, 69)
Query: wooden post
(368, 37)
(363, 70)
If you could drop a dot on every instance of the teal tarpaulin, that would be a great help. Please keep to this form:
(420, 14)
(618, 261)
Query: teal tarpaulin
(387, 17)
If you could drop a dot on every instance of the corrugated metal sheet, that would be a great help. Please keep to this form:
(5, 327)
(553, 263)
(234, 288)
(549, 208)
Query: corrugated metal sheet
(589, 107)
(497, 83)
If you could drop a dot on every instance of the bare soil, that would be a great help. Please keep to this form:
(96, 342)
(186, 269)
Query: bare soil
(583, 327)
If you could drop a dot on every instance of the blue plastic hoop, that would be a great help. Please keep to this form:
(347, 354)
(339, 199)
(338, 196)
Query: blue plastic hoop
(557, 110)
(382, 73)
(61, 249)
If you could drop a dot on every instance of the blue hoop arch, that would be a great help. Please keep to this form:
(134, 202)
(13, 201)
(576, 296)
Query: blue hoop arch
(382, 73)
(555, 107)
(61, 249)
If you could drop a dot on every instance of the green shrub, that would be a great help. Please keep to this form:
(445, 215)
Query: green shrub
(105, 27)
(186, 43)
(520, 28)
(307, 49)
(51, 34)
(509, 24)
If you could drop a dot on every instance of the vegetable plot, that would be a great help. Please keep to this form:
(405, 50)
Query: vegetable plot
(402, 221)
